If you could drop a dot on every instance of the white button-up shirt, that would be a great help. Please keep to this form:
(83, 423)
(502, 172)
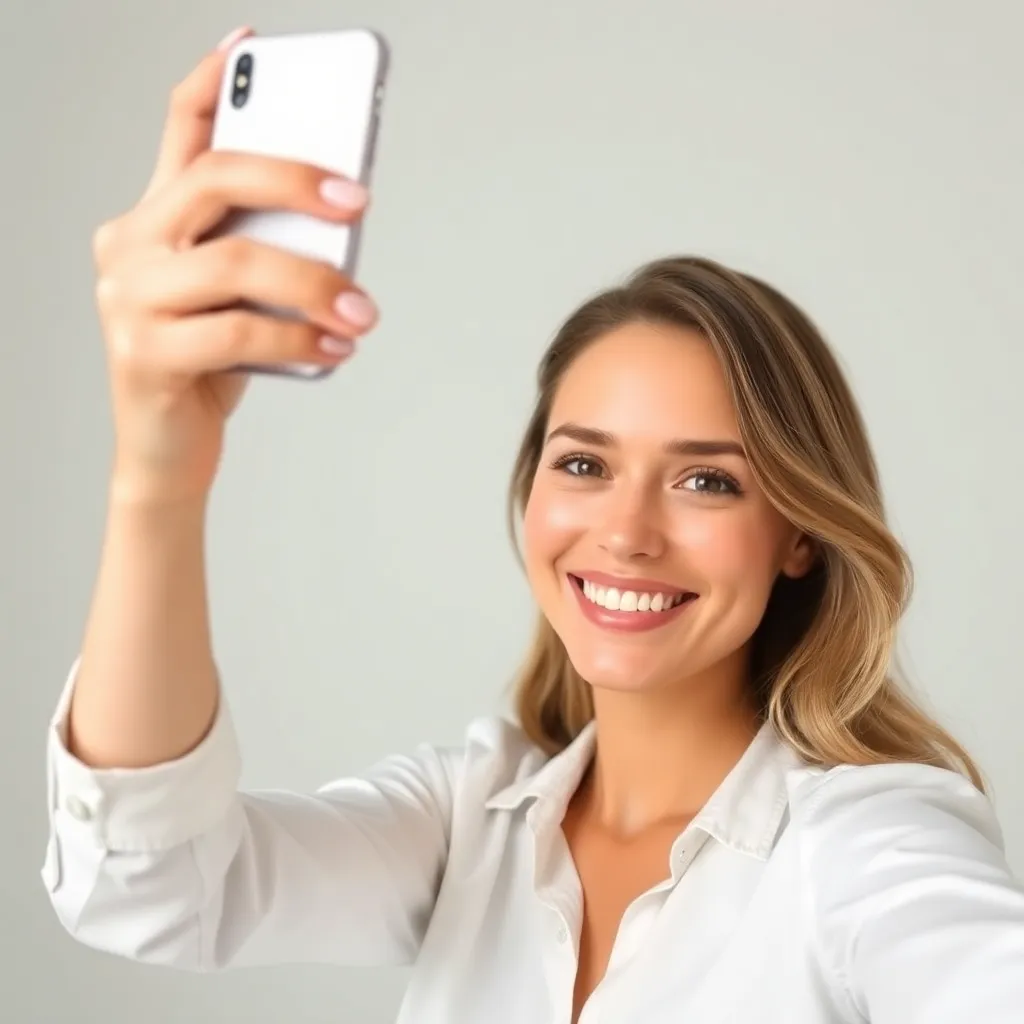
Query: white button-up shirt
(798, 895)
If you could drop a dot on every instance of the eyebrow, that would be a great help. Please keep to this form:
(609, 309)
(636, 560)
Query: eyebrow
(603, 439)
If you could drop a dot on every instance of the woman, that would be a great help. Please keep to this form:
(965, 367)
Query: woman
(716, 805)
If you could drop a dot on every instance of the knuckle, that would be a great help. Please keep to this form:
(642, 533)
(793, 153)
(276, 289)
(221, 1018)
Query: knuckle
(109, 292)
(125, 345)
(103, 241)
(236, 332)
(236, 250)
(229, 259)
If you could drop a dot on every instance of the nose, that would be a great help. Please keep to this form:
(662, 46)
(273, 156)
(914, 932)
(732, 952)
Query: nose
(630, 526)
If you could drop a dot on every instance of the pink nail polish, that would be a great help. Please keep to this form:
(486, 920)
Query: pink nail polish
(357, 309)
(336, 346)
(349, 195)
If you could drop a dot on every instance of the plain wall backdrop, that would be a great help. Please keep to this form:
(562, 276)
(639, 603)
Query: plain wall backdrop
(867, 158)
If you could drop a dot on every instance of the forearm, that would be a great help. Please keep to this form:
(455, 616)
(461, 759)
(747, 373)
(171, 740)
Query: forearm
(147, 688)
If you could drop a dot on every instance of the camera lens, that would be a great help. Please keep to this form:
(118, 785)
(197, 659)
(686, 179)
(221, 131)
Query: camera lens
(242, 80)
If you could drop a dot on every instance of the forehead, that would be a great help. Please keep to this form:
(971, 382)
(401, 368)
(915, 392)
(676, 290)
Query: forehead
(647, 379)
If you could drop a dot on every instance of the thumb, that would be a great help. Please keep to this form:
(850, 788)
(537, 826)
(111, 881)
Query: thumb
(189, 122)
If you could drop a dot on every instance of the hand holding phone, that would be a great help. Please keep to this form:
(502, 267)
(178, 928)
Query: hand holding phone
(190, 278)
(313, 98)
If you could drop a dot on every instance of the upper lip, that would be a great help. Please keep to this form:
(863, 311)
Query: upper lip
(635, 583)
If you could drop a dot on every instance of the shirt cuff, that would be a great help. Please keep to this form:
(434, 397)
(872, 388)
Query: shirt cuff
(136, 810)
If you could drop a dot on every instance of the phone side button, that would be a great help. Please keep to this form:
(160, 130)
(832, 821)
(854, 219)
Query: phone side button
(371, 149)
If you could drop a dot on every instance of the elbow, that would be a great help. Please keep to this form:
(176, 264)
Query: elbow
(144, 912)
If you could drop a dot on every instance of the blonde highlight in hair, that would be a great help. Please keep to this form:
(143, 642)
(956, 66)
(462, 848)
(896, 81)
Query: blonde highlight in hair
(822, 663)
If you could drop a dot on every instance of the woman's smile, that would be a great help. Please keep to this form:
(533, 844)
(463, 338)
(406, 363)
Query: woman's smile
(627, 604)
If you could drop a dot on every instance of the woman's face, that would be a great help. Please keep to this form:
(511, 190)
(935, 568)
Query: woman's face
(648, 545)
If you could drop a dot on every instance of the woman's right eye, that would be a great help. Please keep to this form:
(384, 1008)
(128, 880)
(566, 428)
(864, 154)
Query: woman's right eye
(577, 465)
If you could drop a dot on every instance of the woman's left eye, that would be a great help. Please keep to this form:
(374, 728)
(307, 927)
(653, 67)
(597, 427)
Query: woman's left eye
(712, 482)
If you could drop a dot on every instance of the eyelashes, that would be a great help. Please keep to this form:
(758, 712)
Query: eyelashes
(564, 461)
(728, 483)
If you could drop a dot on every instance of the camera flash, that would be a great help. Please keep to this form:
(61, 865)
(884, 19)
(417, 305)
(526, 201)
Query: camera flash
(241, 81)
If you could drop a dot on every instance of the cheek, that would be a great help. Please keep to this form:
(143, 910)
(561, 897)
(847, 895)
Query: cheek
(731, 549)
(551, 522)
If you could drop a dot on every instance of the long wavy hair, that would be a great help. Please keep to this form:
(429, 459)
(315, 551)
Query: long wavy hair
(823, 664)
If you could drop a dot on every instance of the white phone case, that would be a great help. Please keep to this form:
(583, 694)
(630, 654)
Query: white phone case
(313, 98)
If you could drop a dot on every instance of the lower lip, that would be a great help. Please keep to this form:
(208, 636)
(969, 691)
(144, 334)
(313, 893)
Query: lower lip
(626, 622)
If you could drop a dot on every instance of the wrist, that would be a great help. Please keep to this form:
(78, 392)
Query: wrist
(133, 487)
(132, 494)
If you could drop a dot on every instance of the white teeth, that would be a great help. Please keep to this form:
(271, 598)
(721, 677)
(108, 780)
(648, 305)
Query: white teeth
(629, 600)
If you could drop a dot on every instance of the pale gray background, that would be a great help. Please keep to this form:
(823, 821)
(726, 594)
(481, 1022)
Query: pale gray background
(866, 157)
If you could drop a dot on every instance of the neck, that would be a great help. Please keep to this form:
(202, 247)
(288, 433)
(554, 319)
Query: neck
(662, 753)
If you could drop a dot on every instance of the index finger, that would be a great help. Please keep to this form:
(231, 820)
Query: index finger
(189, 123)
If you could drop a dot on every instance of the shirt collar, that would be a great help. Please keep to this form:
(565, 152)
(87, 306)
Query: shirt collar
(744, 813)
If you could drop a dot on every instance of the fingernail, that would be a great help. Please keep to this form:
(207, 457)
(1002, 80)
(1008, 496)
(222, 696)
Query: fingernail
(349, 195)
(336, 346)
(356, 308)
(233, 37)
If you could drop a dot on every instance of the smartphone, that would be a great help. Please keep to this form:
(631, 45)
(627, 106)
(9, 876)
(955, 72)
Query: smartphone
(314, 98)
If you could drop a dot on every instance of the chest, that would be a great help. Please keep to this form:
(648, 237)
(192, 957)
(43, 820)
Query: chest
(510, 940)
(612, 874)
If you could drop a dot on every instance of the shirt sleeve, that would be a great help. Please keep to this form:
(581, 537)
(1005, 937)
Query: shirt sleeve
(918, 915)
(172, 865)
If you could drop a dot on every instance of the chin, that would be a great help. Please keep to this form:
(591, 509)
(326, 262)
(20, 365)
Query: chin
(622, 670)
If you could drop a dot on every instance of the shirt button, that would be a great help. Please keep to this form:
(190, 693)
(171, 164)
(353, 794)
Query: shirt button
(563, 935)
(78, 809)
